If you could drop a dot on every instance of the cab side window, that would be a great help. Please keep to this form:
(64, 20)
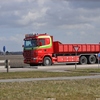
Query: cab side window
(42, 41)
(45, 41)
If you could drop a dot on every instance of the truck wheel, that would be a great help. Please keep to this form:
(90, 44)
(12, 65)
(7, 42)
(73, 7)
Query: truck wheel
(83, 60)
(47, 61)
(92, 59)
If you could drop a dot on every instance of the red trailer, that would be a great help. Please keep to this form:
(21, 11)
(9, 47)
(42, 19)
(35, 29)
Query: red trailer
(41, 49)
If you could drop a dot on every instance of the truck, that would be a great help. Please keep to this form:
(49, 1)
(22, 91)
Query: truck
(41, 49)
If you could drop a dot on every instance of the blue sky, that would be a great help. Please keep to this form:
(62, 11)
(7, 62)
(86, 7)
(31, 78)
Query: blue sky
(69, 21)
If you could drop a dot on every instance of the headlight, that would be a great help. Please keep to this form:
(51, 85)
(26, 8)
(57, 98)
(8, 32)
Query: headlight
(34, 58)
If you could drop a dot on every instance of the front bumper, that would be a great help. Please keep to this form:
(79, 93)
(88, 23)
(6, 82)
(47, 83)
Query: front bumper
(32, 60)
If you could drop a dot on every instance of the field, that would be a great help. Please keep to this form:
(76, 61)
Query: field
(15, 60)
(44, 74)
(51, 90)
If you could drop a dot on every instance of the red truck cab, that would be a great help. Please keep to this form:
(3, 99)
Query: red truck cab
(38, 49)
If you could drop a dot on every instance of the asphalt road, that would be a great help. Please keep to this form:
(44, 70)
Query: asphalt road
(50, 78)
(53, 68)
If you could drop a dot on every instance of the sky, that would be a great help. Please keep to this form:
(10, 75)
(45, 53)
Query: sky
(69, 21)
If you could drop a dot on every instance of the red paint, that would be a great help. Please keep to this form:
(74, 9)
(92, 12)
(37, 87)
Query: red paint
(58, 52)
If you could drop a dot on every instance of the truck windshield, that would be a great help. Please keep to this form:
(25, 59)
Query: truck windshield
(30, 43)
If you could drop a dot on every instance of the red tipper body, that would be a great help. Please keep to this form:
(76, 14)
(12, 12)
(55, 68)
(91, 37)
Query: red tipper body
(70, 48)
(41, 49)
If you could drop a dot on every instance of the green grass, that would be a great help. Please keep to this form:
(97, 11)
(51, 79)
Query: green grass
(44, 90)
(87, 89)
(42, 74)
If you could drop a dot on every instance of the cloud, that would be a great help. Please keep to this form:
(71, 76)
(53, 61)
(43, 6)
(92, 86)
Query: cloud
(18, 38)
(21, 13)
(86, 4)
(39, 13)
(32, 17)
(2, 39)
(76, 19)
(13, 42)
(41, 2)
(77, 26)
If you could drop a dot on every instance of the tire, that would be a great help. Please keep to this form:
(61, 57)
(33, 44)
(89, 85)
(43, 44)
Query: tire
(83, 60)
(92, 59)
(47, 61)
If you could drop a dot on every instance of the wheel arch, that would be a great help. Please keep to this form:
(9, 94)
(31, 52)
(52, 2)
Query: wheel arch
(87, 55)
(47, 56)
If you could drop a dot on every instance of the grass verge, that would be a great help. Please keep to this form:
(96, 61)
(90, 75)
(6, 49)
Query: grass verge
(42, 74)
(51, 90)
